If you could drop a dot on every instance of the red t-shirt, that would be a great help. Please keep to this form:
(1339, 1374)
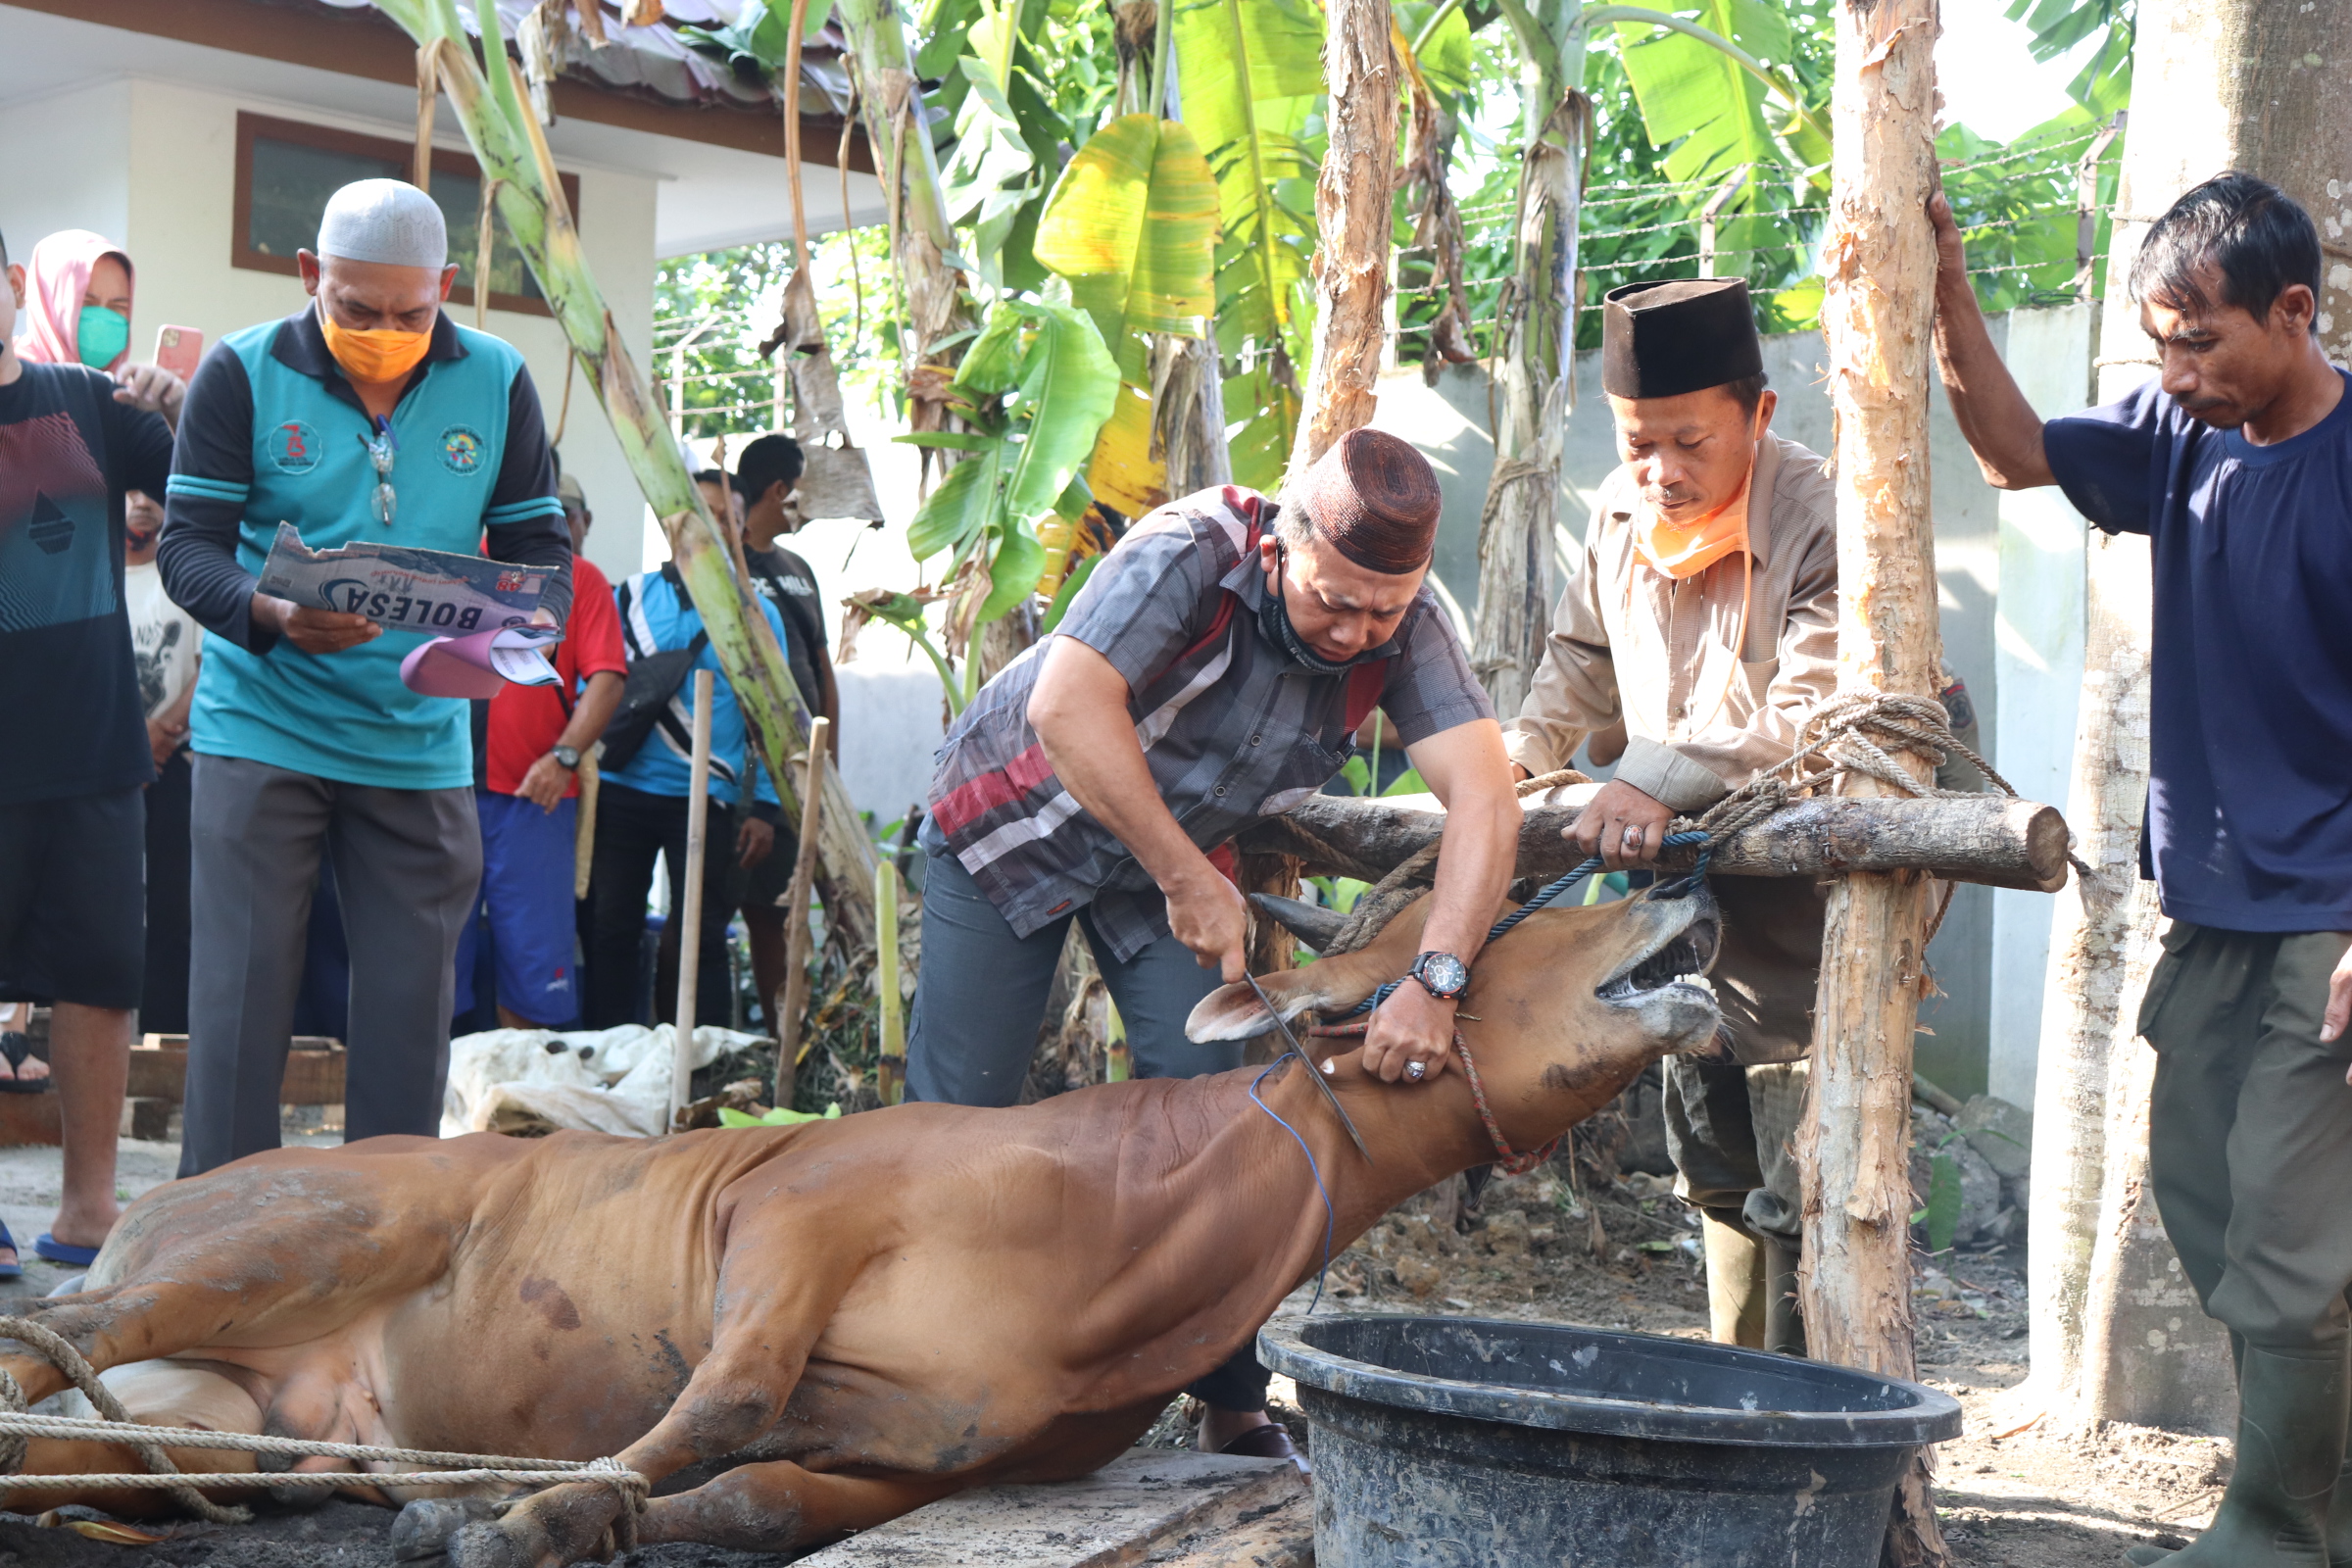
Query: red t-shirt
(525, 721)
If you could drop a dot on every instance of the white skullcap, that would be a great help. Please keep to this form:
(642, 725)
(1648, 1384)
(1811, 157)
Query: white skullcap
(387, 220)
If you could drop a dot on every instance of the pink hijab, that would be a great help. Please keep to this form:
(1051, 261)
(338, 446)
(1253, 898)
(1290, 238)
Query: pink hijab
(56, 278)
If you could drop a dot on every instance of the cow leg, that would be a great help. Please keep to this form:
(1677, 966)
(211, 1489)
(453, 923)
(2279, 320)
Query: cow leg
(777, 1287)
(778, 1507)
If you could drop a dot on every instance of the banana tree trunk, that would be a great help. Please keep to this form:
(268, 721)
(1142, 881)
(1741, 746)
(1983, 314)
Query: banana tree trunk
(1351, 211)
(1854, 1145)
(890, 103)
(506, 144)
(1535, 336)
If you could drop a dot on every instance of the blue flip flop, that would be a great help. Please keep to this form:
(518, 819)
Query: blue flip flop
(10, 1271)
(56, 1251)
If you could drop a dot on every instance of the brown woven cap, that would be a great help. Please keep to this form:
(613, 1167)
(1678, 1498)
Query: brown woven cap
(1373, 499)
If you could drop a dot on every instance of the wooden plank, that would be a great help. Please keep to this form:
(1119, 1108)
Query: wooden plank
(1144, 1506)
(28, 1120)
(159, 1070)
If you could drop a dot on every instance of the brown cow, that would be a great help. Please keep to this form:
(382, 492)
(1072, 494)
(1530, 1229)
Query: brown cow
(870, 1313)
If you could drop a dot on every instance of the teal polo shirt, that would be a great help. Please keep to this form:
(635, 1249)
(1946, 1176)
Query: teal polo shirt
(274, 432)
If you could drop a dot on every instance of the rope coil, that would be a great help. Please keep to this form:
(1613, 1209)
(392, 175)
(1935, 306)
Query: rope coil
(115, 1425)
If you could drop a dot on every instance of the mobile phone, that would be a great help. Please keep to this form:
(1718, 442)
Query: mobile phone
(177, 349)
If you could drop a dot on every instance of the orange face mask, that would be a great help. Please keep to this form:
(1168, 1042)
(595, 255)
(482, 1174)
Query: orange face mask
(373, 354)
(1686, 549)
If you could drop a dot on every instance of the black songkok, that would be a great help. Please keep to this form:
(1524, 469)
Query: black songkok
(1661, 340)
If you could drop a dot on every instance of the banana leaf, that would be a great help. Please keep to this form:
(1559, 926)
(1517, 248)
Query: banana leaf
(1695, 98)
(1122, 471)
(1133, 224)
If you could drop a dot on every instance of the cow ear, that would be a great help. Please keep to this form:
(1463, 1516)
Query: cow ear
(1326, 986)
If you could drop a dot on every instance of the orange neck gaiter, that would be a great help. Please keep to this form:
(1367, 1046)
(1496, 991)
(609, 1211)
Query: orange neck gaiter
(373, 354)
(1686, 549)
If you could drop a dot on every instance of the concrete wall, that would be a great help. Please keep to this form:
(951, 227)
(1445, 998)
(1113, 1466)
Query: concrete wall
(153, 163)
(1450, 423)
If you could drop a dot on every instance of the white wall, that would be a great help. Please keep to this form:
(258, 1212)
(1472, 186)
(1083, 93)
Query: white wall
(153, 163)
(66, 164)
(2037, 632)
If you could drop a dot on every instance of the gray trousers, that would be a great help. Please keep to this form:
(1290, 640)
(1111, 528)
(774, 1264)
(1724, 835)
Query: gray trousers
(2250, 1130)
(981, 997)
(407, 863)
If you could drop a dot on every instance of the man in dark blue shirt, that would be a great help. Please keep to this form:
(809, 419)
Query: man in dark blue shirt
(2237, 461)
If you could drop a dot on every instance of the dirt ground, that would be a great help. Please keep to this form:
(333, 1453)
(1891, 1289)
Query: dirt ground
(1624, 1256)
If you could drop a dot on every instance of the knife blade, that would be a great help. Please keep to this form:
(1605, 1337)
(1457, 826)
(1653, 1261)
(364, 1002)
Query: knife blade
(1314, 1069)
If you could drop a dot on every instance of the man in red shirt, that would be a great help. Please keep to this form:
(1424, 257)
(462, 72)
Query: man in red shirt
(528, 798)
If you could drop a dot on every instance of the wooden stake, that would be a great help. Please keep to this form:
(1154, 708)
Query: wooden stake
(891, 1062)
(688, 920)
(1854, 1147)
(1352, 214)
(793, 1000)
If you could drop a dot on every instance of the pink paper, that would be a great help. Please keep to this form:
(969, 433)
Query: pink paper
(469, 665)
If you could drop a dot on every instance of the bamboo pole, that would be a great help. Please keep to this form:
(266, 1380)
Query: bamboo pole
(891, 1061)
(793, 1000)
(1854, 1147)
(687, 917)
(1352, 214)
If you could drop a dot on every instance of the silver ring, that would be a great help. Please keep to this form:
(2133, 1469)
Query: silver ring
(1414, 1069)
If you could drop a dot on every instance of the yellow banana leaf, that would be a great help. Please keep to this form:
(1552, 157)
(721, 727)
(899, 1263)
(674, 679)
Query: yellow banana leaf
(1133, 224)
(1122, 473)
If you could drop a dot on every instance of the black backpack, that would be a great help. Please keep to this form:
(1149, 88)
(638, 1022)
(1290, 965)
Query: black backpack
(654, 680)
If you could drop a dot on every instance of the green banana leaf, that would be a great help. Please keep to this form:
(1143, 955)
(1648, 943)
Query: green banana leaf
(1133, 224)
(1068, 386)
(963, 502)
(760, 34)
(1699, 100)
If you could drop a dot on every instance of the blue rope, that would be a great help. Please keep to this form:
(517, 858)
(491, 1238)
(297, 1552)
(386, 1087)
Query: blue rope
(1551, 891)
(1330, 1220)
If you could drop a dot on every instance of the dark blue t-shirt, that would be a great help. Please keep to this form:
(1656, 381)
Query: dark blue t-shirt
(2250, 822)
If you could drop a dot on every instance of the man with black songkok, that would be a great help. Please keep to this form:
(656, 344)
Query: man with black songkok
(1211, 673)
(1698, 633)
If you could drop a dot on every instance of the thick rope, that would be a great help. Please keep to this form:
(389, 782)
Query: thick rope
(17, 1426)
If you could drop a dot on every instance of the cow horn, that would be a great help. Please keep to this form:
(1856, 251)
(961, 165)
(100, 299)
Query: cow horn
(1310, 923)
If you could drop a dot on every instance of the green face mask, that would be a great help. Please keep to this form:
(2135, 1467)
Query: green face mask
(102, 336)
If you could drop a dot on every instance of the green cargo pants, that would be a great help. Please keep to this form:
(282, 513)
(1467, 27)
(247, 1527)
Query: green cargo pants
(2250, 1130)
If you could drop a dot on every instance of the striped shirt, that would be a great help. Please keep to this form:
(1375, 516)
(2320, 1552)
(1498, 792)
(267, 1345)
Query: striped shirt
(1233, 729)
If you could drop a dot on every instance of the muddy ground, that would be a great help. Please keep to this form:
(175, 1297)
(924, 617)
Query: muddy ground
(1621, 1257)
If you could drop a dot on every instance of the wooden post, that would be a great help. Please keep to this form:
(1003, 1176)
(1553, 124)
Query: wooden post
(688, 920)
(1877, 314)
(1352, 214)
(890, 1061)
(793, 1000)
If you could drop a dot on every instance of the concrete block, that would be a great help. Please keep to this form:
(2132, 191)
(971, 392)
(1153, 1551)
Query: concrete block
(1147, 1503)
(146, 1117)
(2001, 1132)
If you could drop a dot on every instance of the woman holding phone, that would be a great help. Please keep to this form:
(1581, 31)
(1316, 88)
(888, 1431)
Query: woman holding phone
(76, 295)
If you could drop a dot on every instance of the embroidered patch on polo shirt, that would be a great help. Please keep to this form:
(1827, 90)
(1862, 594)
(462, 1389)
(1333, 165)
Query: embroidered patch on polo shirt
(294, 447)
(461, 449)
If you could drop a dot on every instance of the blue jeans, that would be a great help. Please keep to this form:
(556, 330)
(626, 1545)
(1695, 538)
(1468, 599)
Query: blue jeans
(980, 1002)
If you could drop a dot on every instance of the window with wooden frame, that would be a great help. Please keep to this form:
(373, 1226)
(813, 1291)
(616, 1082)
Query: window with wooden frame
(287, 168)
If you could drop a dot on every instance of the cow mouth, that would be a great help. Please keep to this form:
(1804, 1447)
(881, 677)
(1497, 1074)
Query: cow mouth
(1678, 961)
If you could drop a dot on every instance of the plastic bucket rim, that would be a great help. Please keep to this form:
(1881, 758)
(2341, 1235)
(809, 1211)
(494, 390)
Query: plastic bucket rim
(1931, 1416)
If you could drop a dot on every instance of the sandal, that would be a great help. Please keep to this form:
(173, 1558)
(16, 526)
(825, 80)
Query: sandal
(17, 1047)
(12, 1270)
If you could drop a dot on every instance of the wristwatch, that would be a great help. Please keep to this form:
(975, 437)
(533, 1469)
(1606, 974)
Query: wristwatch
(1441, 974)
(567, 756)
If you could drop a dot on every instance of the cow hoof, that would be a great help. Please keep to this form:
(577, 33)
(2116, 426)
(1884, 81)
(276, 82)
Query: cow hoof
(425, 1527)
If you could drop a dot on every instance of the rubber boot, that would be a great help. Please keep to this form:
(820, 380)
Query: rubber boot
(1738, 1279)
(1784, 1312)
(2291, 1450)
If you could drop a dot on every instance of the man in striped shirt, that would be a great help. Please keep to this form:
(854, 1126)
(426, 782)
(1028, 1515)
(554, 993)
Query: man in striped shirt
(1211, 673)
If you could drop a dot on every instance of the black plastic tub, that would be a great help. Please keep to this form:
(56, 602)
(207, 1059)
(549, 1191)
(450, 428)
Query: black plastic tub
(1470, 1442)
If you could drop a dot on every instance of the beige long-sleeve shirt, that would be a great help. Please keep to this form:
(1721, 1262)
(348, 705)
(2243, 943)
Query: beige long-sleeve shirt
(1632, 648)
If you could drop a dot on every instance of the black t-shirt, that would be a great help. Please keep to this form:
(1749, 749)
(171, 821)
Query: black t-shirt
(2249, 821)
(69, 683)
(788, 583)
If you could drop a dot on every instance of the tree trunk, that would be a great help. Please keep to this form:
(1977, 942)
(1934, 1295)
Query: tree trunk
(1982, 838)
(1536, 335)
(1877, 314)
(1351, 211)
(2217, 84)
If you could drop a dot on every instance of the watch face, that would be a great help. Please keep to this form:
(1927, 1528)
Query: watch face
(1443, 972)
